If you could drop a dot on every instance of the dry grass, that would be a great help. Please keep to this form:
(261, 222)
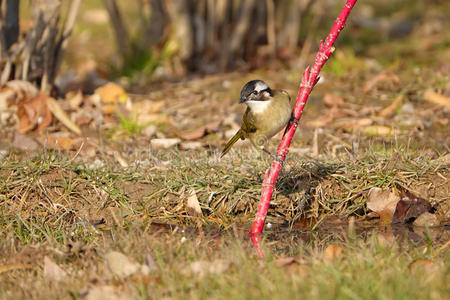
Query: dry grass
(55, 207)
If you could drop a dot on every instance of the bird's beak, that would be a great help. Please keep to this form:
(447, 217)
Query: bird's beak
(242, 100)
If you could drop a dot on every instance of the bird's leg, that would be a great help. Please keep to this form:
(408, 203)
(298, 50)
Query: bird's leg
(275, 157)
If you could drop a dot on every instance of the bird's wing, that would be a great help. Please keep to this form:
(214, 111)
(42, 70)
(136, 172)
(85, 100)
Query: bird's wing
(287, 95)
(248, 122)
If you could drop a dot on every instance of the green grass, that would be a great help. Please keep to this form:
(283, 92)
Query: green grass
(368, 269)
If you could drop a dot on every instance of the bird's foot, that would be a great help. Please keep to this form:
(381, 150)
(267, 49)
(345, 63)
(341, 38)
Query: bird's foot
(275, 157)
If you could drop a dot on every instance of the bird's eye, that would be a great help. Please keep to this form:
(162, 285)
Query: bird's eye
(254, 93)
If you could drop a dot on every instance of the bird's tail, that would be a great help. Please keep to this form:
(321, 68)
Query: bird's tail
(231, 142)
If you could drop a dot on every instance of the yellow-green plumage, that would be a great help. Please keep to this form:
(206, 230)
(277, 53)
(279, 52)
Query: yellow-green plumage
(231, 142)
(263, 119)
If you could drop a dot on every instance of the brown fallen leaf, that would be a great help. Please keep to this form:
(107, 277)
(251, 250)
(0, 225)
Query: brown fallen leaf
(305, 223)
(24, 142)
(61, 115)
(191, 145)
(386, 75)
(52, 271)
(386, 239)
(105, 292)
(201, 268)
(377, 130)
(58, 143)
(22, 89)
(409, 207)
(329, 116)
(120, 265)
(12, 267)
(34, 114)
(390, 109)
(164, 143)
(436, 98)
(423, 264)
(74, 99)
(200, 132)
(146, 119)
(148, 107)
(427, 220)
(285, 261)
(333, 100)
(332, 252)
(193, 206)
(352, 123)
(112, 93)
(382, 202)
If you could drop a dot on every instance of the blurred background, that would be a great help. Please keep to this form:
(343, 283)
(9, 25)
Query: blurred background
(146, 39)
(165, 67)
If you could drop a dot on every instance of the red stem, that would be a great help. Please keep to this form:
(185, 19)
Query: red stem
(309, 80)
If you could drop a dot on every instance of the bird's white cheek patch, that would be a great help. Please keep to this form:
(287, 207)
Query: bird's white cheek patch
(258, 107)
(260, 86)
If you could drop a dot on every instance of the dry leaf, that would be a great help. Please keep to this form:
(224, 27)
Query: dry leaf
(105, 292)
(58, 143)
(193, 206)
(7, 96)
(108, 109)
(22, 88)
(146, 119)
(191, 145)
(200, 132)
(352, 123)
(120, 265)
(120, 160)
(436, 98)
(111, 93)
(52, 271)
(333, 100)
(423, 264)
(164, 143)
(75, 99)
(34, 114)
(11, 267)
(327, 118)
(305, 223)
(332, 252)
(427, 220)
(285, 261)
(148, 107)
(383, 202)
(390, 109)
(149, 131)
(377, 130)
(383, 76)
(409, 208)
(24, 143)
(386, 239)
(201, 268)
(61, 115)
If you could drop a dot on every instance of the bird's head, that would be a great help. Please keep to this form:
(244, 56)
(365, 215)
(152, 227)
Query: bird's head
(255, 90)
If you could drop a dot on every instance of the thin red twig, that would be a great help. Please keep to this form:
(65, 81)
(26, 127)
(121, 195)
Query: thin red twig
(309, 80)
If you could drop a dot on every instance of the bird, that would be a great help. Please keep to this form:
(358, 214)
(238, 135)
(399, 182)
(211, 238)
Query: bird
(268, 112)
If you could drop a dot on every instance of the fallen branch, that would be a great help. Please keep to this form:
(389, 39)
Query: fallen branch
(309, 80)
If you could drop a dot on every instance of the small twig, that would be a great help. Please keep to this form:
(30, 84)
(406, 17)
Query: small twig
(309, 80)
(64, 39)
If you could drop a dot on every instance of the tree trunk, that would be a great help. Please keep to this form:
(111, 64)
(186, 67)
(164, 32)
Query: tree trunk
(11, 25)
(122, 38)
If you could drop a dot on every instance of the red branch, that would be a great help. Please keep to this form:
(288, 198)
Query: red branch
(309, 80)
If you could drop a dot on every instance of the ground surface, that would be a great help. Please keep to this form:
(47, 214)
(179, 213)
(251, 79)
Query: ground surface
(117, 215)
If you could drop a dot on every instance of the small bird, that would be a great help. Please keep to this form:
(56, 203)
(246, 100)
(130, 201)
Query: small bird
(268, 112)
